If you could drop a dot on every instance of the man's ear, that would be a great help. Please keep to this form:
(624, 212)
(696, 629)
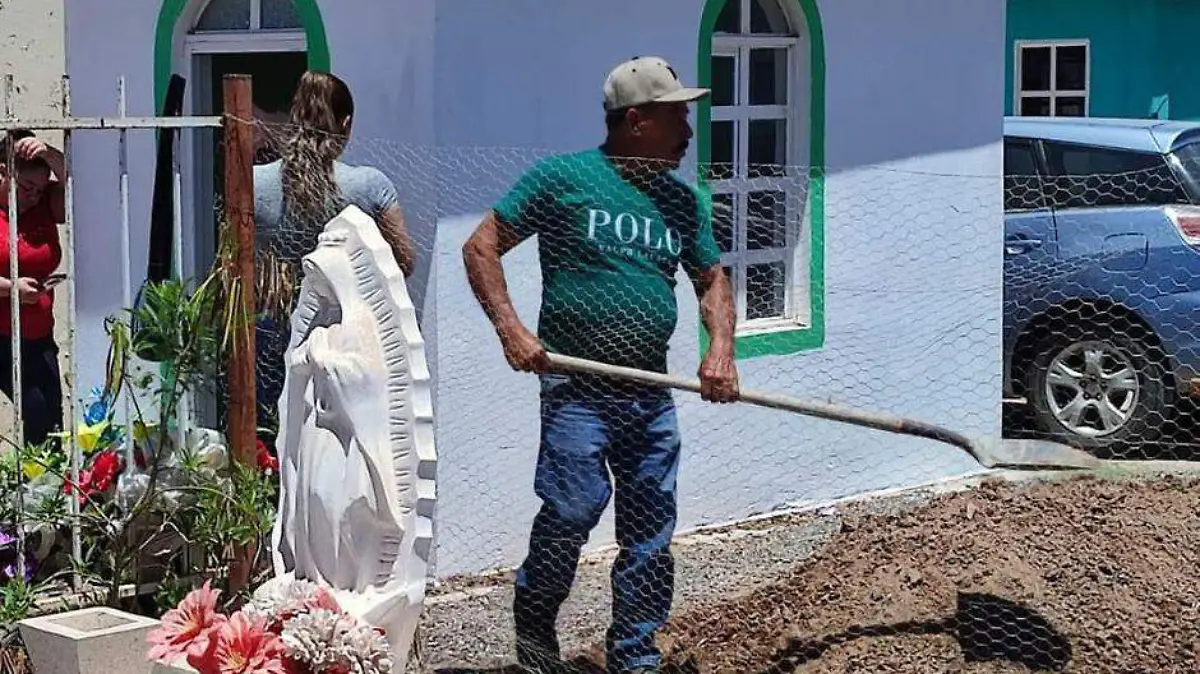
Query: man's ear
(633, 118)
(346, 123)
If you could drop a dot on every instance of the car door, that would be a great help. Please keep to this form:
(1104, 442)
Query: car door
(1030, 240)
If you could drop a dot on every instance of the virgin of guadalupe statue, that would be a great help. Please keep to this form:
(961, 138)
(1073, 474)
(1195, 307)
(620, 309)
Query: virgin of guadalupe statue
(356, 448)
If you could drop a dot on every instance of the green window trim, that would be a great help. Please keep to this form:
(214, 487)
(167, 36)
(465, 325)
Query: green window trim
(803, 337)
(164, 42)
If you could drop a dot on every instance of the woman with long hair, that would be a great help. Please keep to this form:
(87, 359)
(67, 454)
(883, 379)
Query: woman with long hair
(294, 197)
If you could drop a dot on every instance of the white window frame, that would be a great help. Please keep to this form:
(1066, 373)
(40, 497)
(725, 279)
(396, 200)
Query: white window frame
(793, 184)
(1053, 93)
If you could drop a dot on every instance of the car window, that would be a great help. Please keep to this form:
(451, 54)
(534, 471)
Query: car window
(1083, 176)
(1022, 188)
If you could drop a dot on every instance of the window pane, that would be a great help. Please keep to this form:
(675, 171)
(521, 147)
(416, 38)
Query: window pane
(768, 148)
(765, 286)
(767, 16)
(768, 76)
(1081, 160)
(1069, 106)
(721, 154)
(1070, 68)
(730, 18)
(723, 221)
(1022, 189)
(225, 15)
(1035, 68)
(723, 83)
(1035, 106)
(1091, 177)
(766, 222)
(1018, 159)
(279, 14)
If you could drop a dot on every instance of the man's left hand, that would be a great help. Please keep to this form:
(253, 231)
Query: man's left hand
(718, 377)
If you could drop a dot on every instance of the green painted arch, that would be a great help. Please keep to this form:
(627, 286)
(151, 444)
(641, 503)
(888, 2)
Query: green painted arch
(811, 336)
(168, 19)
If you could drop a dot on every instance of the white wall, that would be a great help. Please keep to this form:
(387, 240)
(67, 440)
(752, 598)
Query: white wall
(384, 51)
(913, 262)
(103, 45)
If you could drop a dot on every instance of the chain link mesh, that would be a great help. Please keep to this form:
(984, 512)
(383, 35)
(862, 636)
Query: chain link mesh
(874, 287)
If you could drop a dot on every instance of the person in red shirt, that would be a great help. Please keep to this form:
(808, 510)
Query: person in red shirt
(40, 206)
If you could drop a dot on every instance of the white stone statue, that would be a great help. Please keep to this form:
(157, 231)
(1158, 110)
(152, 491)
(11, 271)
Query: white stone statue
(356, 444)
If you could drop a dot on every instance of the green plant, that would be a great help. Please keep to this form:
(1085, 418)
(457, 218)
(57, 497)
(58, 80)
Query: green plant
(159, 490)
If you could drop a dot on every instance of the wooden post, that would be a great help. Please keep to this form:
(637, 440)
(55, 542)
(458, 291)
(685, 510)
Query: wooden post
(239, 214)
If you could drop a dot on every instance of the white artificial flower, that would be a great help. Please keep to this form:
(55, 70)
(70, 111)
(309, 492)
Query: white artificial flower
(272, 598)
(327, 640)
(208, 447)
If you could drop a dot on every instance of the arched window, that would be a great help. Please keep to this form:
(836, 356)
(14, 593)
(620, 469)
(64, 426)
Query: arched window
(238, 15)
(760, 132)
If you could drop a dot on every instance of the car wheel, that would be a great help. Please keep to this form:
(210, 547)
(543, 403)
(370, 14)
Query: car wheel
(1098, 390)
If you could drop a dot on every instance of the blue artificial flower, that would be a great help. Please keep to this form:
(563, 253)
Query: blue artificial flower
(97, 411)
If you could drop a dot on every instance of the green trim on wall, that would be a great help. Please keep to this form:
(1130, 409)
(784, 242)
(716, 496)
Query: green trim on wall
(812, 336)
(164, 42)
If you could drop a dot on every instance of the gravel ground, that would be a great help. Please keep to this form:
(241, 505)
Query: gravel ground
(808, 592)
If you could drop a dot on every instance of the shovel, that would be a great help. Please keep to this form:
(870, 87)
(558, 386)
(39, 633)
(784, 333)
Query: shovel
(990, 453)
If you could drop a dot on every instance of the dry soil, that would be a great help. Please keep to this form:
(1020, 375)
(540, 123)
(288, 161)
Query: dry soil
(1086, 575)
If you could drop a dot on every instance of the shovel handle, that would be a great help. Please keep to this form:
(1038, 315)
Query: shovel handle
(882, 422)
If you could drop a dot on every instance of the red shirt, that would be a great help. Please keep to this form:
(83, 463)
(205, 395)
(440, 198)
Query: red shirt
(38, 255)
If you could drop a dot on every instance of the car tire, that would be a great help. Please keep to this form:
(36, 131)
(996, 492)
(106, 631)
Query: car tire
(1143, 417)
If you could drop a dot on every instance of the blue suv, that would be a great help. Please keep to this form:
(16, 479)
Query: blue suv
(1101, 275)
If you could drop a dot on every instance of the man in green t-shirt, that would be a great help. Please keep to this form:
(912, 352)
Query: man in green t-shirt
(613, 226)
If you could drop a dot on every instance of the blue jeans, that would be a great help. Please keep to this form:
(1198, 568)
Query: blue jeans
(587, 430)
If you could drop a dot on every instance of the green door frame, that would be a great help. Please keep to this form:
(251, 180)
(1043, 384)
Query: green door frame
(811, 336)
(168, 19)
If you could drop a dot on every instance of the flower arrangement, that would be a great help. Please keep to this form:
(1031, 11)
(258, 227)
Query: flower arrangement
(296, 627)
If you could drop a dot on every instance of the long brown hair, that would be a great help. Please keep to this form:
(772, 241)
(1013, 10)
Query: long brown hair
(320, 107)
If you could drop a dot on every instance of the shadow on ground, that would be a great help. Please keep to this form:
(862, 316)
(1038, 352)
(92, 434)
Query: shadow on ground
(576, 666)
(986, 627)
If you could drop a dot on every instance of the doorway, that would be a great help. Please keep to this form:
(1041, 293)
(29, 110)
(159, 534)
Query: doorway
(274, 76)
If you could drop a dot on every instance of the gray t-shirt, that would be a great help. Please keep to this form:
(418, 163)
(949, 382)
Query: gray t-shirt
(364, 186)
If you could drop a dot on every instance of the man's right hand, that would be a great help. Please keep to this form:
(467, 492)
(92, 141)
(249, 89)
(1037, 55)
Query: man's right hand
(524, 350)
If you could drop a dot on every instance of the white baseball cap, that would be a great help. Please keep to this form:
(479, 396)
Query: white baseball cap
(646, 79)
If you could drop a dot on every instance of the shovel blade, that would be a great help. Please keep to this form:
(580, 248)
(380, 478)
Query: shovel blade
(1032, 454)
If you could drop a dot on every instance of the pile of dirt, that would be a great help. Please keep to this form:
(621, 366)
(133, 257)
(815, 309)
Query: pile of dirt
(1085, 575)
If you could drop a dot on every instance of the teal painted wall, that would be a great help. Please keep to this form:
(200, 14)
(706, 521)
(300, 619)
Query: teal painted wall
(1140, 49)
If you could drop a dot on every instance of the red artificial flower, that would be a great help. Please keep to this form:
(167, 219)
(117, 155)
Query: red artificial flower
(242, 645)
(263, 457)
(99, 476)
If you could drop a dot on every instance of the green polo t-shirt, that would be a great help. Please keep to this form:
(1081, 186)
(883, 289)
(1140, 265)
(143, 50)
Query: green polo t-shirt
(609, 251)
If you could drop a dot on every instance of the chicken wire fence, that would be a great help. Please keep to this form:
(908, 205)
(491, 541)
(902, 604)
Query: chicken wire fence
(873, 287)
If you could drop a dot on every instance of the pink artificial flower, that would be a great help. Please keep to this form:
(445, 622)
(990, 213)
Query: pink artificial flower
(243, 645)
(186, 628)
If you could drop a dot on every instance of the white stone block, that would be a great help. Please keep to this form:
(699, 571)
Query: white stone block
(98, 640)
